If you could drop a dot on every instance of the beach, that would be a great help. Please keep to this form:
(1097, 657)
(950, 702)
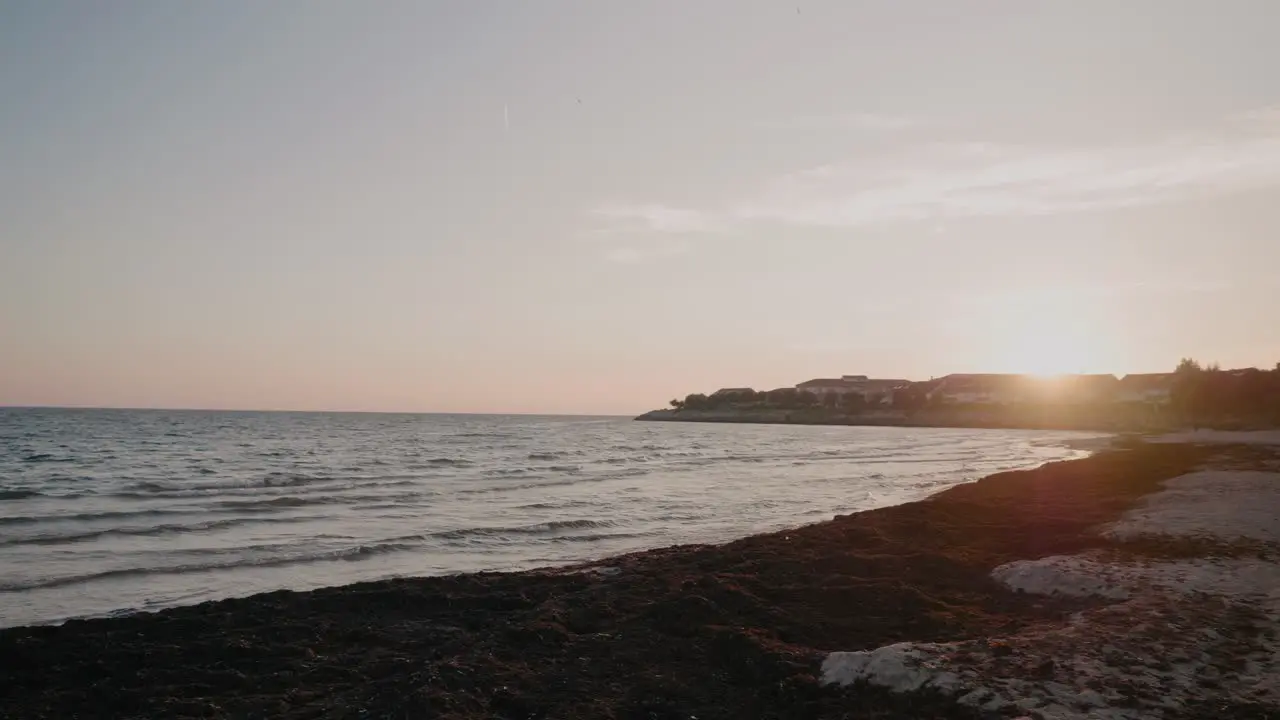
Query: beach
(773, 625)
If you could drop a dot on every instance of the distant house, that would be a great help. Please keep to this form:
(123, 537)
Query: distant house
(1150, 388)
(827, 386)
(1070, 389)
(872, 390)
(1008, 389)
(732, 391)
(982, 389)
(1095, 388)
(882, 391)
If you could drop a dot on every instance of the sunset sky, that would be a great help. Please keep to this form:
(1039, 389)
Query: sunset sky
(592, 207)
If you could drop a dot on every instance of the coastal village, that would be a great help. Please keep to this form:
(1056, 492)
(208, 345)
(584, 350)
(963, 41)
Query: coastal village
(1192, 395)
(970, 389)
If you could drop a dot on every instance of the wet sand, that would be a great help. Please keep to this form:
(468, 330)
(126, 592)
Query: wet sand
(739, 630)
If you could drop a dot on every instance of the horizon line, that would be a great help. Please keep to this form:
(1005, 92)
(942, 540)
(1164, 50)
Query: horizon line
(127, 408)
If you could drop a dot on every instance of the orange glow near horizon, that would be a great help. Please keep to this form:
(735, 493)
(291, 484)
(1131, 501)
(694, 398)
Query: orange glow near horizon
(1047, 334)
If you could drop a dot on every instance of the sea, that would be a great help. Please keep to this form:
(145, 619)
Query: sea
(110, 512)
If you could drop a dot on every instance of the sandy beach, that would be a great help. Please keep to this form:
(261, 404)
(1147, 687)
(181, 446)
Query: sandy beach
(1083, 588)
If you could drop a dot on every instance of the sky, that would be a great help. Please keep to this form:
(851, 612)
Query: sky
(586, 207)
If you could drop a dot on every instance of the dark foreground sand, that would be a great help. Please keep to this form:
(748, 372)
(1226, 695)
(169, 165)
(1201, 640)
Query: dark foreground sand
(730, 631)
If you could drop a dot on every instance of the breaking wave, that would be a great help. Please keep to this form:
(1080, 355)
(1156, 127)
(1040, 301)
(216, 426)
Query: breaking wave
(342, 554)
(19, 494)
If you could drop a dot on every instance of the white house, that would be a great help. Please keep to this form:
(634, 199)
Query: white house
(732, 391)
(1150, 388)
(827, 386)
(981, 389)
(872, 390)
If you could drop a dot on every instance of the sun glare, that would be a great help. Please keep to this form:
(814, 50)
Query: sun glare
(1047, 334)
(1047, 353)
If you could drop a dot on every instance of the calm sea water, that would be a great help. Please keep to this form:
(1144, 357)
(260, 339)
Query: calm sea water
(106, 511)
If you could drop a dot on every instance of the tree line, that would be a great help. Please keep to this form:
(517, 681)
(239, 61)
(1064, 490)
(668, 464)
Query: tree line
(793, 399)
(1200, 395)
(1209, 395)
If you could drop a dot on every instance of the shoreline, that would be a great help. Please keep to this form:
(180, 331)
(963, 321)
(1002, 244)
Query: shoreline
(940, 420)
(739, 629)
(675, 487)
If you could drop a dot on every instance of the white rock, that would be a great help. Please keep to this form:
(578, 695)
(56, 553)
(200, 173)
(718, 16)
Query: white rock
(899, 667)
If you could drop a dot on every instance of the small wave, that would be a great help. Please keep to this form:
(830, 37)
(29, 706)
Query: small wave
(415, 508)
(449, 462)
(355, 553)
(233, 506)
(274, 479)
(698, 462)
(29, 519)
(575, 479)
(575, 524)
(600, 537)
(156, 489)
(45, 458)
(282, 479)
(289, 501)
(148, 486)
(19, 494)
(545, 528)
(156, 530)
(636, 448)
(547, 455)
(286, 501)
(554, 505)
(338, 491)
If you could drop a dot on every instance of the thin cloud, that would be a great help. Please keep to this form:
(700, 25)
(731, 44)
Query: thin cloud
(634, 254)
(939, 181)
(658, 218)
(1028, 296)
(1267, 118)
(843, 121)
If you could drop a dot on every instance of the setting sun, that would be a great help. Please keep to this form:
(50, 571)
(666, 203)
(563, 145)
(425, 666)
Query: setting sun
(1046, 333)
(1050, 351)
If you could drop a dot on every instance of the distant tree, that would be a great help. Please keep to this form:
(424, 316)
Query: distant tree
(782, 397)
(910, 398)
(1188, 365)
(804, 398)
(697, 401)
(854, 402)
(676, 403)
